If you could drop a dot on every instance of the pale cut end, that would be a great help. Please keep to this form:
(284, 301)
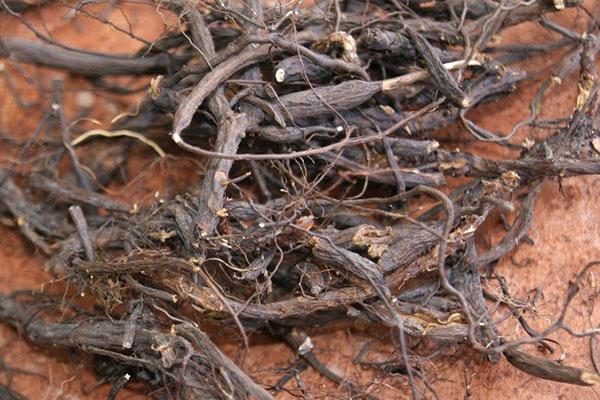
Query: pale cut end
(433, 146)
(465, 102)
(280, 75)
(474, 63)
(590, 378)
(306, 346)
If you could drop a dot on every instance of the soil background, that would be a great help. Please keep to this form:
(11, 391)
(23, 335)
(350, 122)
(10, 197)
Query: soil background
(565, 234)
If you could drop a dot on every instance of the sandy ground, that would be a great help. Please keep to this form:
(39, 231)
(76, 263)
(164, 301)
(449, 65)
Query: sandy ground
(565, 232)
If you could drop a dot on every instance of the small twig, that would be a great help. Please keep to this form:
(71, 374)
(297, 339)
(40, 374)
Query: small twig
(119, 133)
(82, 229)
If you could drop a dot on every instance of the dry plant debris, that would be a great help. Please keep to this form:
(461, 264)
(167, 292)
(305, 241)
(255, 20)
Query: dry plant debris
(322, 195)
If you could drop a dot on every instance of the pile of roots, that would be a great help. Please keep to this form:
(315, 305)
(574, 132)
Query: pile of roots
(322, 196)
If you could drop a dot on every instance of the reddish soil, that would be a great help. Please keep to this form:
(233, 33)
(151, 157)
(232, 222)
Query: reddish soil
(565, 232)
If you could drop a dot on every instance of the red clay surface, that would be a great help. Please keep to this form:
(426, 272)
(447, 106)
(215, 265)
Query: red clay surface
(565, 230)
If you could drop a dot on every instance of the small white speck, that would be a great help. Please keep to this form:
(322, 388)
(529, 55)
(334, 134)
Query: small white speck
(84, 99)
(280, 75)
(306, 346)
